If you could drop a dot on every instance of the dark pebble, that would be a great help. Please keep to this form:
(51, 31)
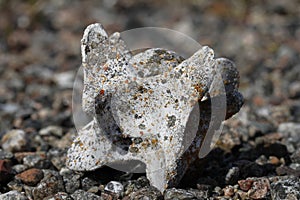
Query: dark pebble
(6, 173)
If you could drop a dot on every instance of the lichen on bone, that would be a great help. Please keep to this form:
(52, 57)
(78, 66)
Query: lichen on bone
(141, 104)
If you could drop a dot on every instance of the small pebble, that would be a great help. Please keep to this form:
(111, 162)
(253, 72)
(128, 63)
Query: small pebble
(242, 194)
(287, 187)
(5, 171)
(83, 195)
(31, 176)
(49, 185)
(13, 195)
(107, 196)
(14, 141)
(179, 194)
(232, 175)
(296, 156)
(292, 129)
(147, 193)
(259, 189)
(245, 185)
(93, 189)
(5, 155)
(19, 168)
(15, 185)
(228, 191)
(134, 185)
(218, 190)
(294, 90)
(274, 160)
(65, 79)
(51, 130)
(37, 161)
(114, 187)
(59, 196)
(88, 183)
(28, 191)
(72, 182)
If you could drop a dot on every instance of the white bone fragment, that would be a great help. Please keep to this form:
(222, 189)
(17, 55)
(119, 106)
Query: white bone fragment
(141, 105)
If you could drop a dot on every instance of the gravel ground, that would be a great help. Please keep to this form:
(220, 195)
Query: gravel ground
(256, 157)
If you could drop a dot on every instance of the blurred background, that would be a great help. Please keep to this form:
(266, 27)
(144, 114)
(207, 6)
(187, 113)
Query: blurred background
(40, 55)
(40, 41)
(40, 44)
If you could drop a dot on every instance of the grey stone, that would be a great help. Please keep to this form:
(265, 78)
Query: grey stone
(147, 193)
(178, 194)
(292, 129)
(68, 172)
(72, 183)
(59, 161)
(13, 195)
(94, 189)
(294, 90)
(217, 190)
(83, 195)
(134, 185)
(36, 161)
(233, 175)
(87, 183)
(295, 166)
(9, 108)
(14, 141)
(114, 187)
(15, 185)
(296, 156)
(200, 194)
(49, 185)
(52, 130)
(19, 168)
(71, 180)
(286, 188)
(59, 196)
(65, 79)
(5, 155)
(28, 191)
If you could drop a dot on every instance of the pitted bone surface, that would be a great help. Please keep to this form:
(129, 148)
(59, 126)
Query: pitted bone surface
(105, 62)
(141, 104)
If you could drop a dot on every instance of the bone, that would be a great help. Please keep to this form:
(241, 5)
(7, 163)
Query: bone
(105, 62)
(145, 107)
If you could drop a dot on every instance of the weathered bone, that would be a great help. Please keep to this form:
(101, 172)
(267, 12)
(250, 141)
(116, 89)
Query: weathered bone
(141, 104)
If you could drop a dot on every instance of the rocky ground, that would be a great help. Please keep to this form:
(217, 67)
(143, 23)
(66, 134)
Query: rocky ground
(256, 157)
